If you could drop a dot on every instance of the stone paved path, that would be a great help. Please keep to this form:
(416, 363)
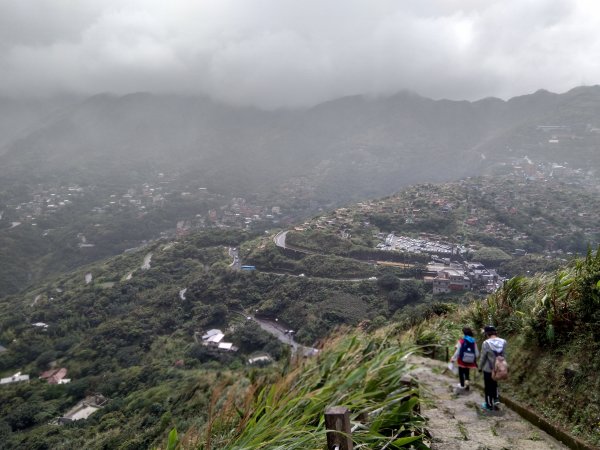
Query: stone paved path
(456, 421)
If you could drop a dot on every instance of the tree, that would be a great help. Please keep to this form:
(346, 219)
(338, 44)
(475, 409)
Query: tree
(388, 282)
(408, 292)
(250, 337)
(45, 358)
(491, 255)
(23, 416)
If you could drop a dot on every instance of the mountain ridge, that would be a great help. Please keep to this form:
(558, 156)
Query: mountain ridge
(406, 137)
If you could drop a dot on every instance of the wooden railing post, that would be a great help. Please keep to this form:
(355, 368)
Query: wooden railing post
(337, 422)
(409, 381)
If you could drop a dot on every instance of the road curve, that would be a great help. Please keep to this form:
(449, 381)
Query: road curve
(279, 239)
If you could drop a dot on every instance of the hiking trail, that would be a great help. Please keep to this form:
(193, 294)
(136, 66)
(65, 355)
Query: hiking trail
(456, 421)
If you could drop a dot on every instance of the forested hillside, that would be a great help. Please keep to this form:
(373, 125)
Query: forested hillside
(130, 327)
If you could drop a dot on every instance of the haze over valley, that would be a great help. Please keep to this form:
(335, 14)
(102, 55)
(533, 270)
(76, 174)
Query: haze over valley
(266, 224)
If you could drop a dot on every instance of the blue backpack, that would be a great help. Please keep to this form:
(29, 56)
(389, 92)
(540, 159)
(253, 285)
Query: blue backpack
(467, 352)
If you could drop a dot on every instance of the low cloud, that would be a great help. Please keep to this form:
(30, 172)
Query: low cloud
(289, 53)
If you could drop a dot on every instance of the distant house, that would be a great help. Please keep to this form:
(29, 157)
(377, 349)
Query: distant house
(450, 280)
(55, 376)
(210, 333)
(16, 378)
(40, 325)
(214, 337)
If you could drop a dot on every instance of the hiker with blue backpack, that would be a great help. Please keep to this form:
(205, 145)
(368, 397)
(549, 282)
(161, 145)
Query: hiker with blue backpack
(493, 365)
(465, 357)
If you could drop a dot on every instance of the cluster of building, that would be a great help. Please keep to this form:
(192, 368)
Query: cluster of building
(418, 245)
(145, 197)
(551, 209)
(53, 376)
(44, 201)
(447, 276)
(142, 198)
(241, 213)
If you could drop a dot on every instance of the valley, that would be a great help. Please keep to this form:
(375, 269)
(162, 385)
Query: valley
(140, 289)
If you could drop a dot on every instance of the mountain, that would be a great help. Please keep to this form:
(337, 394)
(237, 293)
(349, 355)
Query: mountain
(350, 148)
(19, 117)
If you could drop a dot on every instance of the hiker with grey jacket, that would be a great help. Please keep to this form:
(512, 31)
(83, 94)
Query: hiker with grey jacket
(492, 347)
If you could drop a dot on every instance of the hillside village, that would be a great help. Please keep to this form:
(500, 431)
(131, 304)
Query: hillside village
(45, 201)
(542, 212)
(469, 229)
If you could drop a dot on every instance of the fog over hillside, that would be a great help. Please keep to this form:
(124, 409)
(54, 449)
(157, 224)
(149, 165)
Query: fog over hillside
(353, 147)
(225, 222)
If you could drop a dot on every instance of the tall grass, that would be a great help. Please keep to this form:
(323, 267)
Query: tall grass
(550, 308)
(363, 374)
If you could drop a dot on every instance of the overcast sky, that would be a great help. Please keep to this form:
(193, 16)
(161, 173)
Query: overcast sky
(288, 53)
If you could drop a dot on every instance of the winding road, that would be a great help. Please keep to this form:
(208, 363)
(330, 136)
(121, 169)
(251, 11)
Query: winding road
(279, 240)
(236, 264)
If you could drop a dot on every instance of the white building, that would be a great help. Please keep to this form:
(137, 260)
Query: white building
(214, 337)
(16, 378)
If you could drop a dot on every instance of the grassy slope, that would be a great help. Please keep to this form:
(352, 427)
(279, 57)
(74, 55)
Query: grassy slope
(286, 410)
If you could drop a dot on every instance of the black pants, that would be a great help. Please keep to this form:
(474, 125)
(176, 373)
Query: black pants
(490, 388)
(463, 375)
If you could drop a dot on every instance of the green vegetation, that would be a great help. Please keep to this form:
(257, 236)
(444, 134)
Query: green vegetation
(491, 256)
(129, 335)
(359, 372)
(129, 332)
(52, 246)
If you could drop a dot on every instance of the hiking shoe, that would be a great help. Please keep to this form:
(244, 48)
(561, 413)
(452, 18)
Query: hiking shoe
(485, 406)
